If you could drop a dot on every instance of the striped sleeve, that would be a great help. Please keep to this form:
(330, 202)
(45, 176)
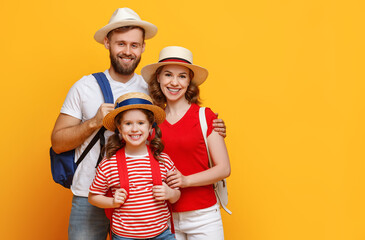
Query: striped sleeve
(168, 163)
(100, 182)
(168, 166)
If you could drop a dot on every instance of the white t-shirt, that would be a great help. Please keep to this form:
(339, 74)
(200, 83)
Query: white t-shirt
(82, 102)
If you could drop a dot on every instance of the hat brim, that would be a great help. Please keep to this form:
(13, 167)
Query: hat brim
(200, 73)
(150, 29)
(158, 112)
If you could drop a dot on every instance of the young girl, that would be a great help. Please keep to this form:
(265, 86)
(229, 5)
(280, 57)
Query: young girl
(173, 85)
(142, 213)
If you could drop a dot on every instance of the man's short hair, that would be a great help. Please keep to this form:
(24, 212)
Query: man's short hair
(123, 30)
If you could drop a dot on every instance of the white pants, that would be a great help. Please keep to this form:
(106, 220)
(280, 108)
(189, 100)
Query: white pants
(202, 224)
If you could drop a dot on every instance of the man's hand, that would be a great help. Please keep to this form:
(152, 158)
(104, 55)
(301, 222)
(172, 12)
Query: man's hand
(219, 126)
(103, 110)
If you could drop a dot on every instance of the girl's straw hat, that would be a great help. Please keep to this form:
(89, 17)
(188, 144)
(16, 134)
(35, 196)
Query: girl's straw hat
(125, 17)
(129, 101)
(177, 56)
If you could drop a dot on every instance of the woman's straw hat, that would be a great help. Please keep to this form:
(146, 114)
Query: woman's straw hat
(129, 101)
(125, 17)
(177, 56)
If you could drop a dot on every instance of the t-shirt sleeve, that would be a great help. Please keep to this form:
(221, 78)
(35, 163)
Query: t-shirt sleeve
(99, 184)
(169, 164)
(72, 104)
(210, 116)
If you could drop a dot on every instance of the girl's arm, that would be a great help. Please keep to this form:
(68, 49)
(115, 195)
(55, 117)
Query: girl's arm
(164, 192)
(102, 201)
(220, 170)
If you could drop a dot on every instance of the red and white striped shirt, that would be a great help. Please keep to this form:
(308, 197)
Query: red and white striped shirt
(141, 216)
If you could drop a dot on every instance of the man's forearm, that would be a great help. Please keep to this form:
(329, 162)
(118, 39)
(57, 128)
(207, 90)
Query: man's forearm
(70, 133)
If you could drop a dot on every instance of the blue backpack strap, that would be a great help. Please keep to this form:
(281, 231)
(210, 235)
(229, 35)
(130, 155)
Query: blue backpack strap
(63, 166)
(108, 98)
(105, 87)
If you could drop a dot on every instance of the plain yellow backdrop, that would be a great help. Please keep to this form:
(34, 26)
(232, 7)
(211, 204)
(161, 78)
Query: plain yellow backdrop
(286, 76)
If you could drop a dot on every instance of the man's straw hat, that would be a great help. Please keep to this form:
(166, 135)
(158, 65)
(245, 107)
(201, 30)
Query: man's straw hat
(125, 17)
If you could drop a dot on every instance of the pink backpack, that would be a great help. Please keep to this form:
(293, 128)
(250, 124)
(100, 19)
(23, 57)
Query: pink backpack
(124, 180)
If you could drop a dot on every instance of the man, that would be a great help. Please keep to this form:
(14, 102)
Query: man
(84, 109)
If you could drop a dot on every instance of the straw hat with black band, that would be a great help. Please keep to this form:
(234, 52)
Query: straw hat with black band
(177, 56)
(133, 100)
(125, 17)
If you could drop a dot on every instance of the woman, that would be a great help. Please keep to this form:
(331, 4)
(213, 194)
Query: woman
(173, 85)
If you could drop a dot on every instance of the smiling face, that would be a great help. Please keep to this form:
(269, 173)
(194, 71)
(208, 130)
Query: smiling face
(174, 81)
(134, 127)
(125, 50)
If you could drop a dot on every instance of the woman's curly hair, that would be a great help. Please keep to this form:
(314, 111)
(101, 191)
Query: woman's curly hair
(192, 93)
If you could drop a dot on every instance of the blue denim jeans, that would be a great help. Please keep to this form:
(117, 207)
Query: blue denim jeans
(87, 222)
(165, 235)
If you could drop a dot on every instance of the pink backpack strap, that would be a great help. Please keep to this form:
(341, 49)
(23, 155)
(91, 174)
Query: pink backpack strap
(124, 183)
(155, 168)
(122, 170)
(124, 180)
(156, 178)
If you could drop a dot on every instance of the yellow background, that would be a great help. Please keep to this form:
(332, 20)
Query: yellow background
(286, 76)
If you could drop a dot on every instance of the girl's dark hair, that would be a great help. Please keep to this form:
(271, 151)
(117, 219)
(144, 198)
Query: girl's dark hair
(115, 142)
(192, 93)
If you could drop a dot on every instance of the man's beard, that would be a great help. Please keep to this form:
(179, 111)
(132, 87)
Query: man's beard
(121, 69)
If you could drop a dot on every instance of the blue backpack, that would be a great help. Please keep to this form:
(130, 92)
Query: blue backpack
(63, 165)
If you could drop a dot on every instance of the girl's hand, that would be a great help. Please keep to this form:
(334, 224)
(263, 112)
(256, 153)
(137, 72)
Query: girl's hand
(176, 180)
(162, 192)
(120, 196)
